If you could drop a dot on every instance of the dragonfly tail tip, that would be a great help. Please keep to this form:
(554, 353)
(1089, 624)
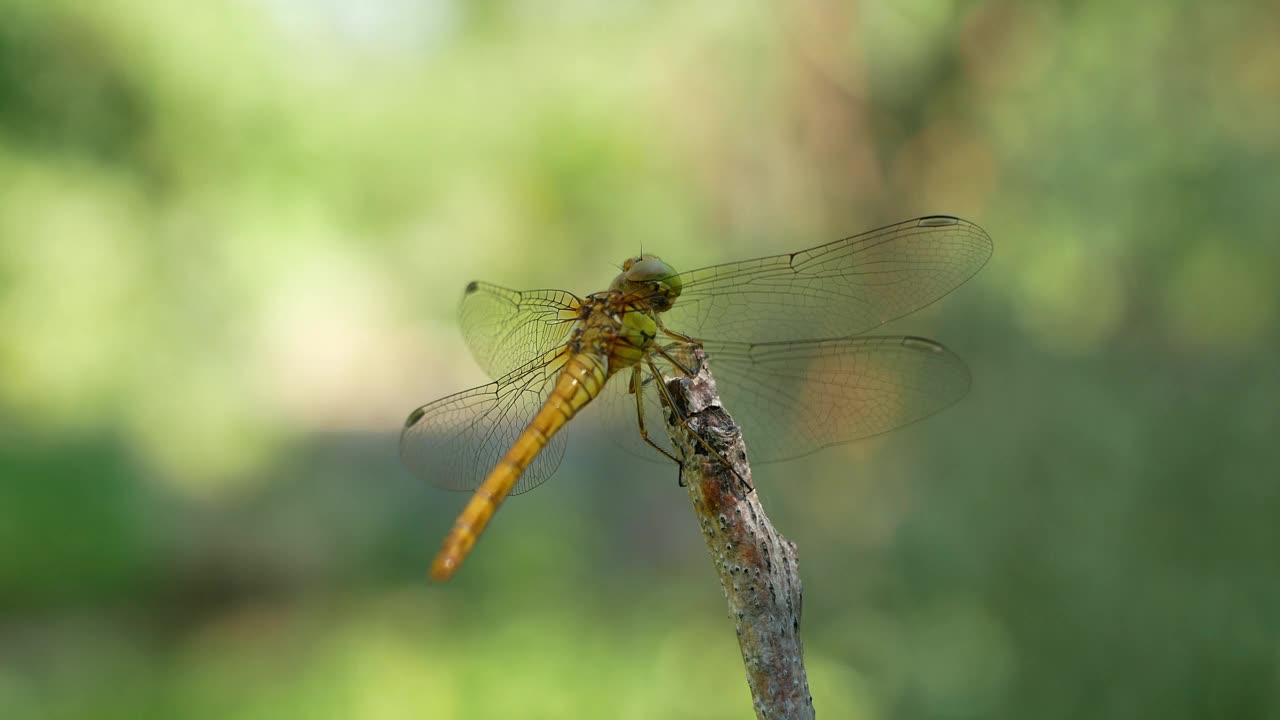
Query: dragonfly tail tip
(442, 568)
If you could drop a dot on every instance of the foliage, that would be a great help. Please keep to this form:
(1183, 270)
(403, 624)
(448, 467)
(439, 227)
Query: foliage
(232, 239)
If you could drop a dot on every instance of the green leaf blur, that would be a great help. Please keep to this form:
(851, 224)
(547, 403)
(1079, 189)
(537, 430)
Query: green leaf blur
(233, 236)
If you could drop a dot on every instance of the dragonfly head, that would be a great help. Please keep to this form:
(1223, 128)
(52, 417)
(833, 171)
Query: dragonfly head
(652, 278)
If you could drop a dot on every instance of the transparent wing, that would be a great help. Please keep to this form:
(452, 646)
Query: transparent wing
(455, 441)
(791, 399)
(836, 290)
(507, 328)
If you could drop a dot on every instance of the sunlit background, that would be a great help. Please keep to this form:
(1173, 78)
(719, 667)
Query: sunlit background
(233, 235)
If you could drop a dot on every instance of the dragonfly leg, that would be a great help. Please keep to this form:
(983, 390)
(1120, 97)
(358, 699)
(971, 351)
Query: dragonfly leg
(675, 413)
(688, 372)
(638, 390)
(679, 336)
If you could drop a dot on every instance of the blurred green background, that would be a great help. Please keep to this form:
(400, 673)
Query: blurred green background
(233, 235)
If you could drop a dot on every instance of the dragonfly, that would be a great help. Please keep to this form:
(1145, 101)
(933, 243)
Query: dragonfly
(787, 336)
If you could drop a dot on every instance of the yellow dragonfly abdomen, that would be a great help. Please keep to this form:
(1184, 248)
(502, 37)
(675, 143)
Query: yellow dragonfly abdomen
(581, 380)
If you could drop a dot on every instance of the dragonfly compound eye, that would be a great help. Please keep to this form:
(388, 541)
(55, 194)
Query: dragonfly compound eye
(651, 269)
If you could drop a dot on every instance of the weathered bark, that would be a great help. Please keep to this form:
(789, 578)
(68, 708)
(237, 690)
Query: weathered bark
(756, 564)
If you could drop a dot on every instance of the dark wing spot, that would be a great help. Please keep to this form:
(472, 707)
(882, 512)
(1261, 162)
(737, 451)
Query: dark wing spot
(922, 344)
(938, 221)
(472, 287)
(414, 417)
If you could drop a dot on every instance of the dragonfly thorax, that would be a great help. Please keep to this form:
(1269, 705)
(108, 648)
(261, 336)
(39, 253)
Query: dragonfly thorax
(612, 328)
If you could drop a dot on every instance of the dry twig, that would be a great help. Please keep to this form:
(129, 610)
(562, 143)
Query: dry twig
(757, 565)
